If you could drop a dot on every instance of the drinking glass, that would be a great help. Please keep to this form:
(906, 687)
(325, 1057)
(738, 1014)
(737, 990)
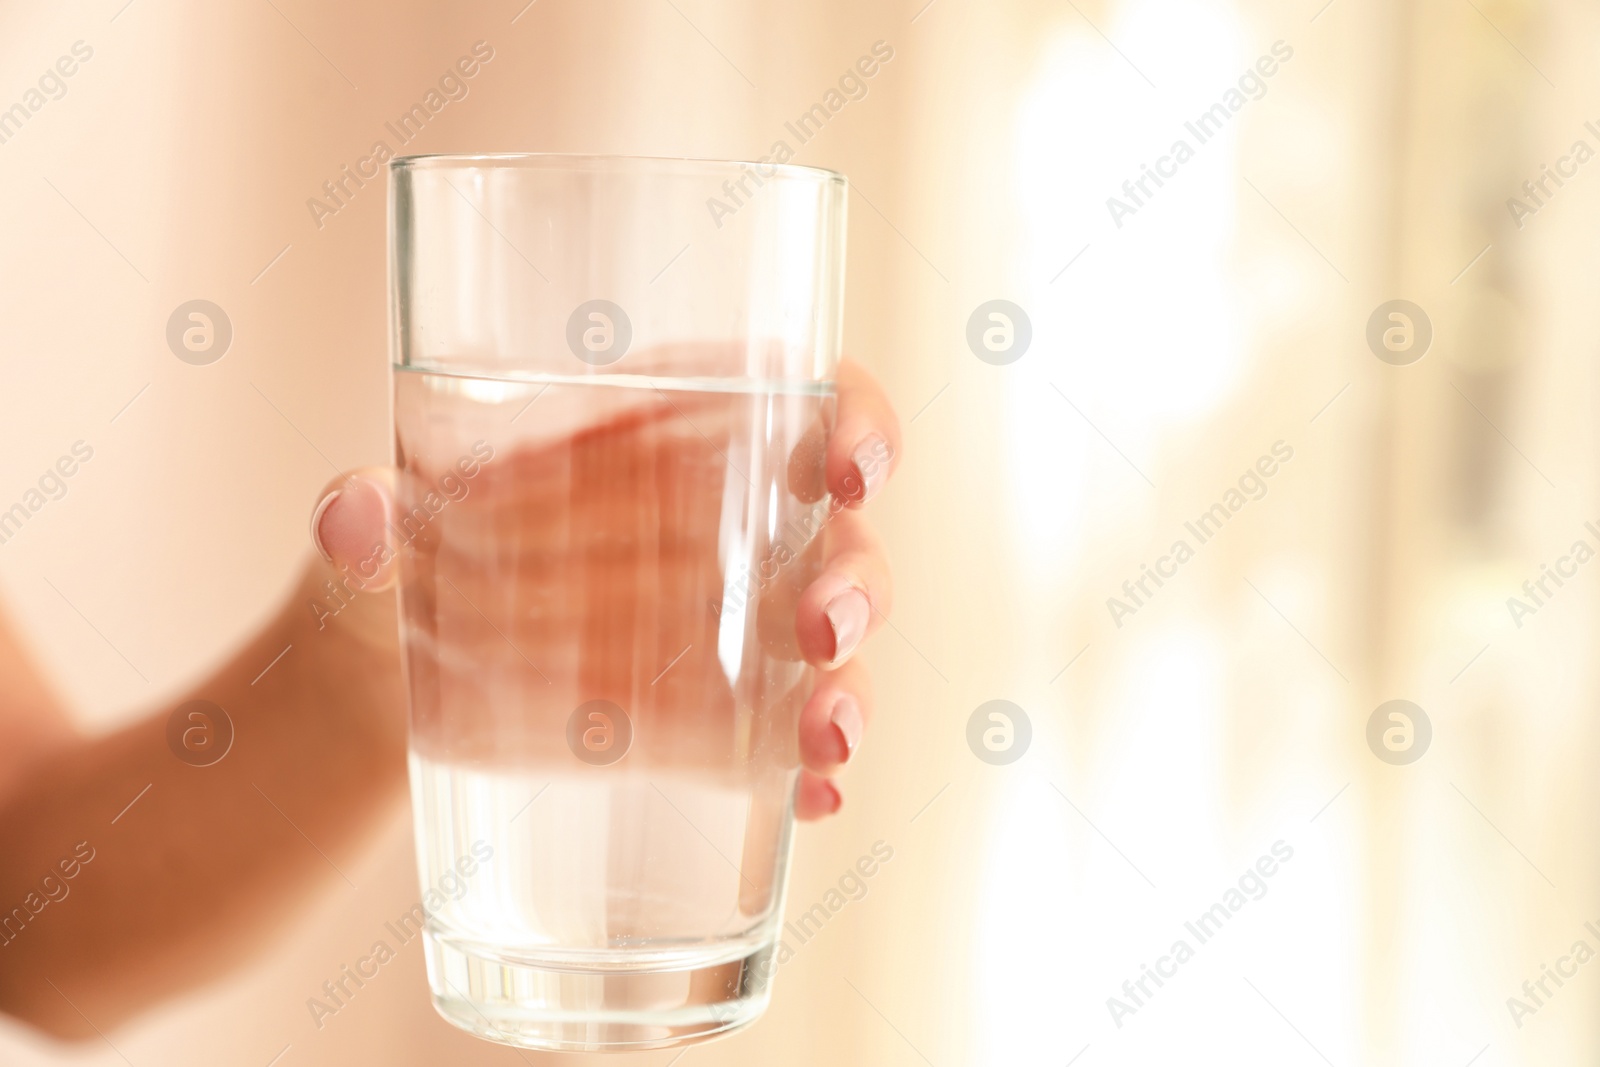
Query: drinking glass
(613, 389)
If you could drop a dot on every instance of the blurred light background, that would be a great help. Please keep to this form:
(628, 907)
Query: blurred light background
(1173, 346)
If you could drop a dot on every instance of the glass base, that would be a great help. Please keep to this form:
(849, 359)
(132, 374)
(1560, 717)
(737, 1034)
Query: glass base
(615, 1002)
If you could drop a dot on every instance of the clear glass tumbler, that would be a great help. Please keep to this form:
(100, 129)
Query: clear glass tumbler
(613, 385)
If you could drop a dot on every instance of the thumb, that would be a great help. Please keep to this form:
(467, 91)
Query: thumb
(350, 526)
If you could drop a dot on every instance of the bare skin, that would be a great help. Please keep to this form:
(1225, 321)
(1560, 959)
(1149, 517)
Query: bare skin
(210, 862)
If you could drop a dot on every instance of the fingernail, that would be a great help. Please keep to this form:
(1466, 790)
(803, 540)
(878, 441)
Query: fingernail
(847, 615)
(871, 459)
(846, 719)
(316, 523)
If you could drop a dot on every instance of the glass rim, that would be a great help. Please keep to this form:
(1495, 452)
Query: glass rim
(598, 163)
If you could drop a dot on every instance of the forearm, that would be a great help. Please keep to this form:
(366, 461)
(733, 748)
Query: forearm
(208, 859)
